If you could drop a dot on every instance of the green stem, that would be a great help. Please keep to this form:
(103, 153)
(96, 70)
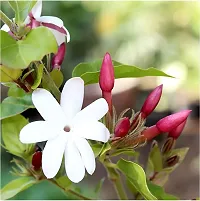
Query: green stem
(6, 20)
(114, 177)
(69, 191)
(52, 86)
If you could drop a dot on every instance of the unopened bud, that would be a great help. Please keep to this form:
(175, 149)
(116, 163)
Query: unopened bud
(151, 102)
(151, 132)
(106, 78)
(37, 160)
(122, 127)
(176, 132)
(59, 56)
(170, 122)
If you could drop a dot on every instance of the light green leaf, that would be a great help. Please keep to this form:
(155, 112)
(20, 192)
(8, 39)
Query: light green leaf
(89, 72)
(128, 152)
(96, 148)
(106, 147)
(11, 128)
(16, 186)
(57, 77)
(8, 74)
(19, 54)
(155, 163)
(12, 106)
(15, 91)
(64, 182)
(159, 192)
(136, 175)
(39, 73)
(22, 9)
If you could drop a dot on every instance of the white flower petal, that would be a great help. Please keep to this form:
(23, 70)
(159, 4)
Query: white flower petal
(5, 28)
(74, 165)
(51, 19)
(92, 131)
(27, 20)
(68, 34)
(37, 131)
(60, 37)
(48, 107)
(87, 154)
(37, 9)
(72, 97)
(92, 112)
(52, 155)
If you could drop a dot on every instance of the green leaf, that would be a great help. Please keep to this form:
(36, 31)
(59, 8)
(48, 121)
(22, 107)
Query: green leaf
(12, 106)
(99, 186)
(96, 148)
(128, 152)
(89, 72)
(39, 73)
(57, 77)
(106, 147)
(15, 91)
(136, 175)
(64, 182)
(155, 163)
(22, 9)
(8, 74)
(16, 186)
(159, 192)
(11, 128)
(34, 47)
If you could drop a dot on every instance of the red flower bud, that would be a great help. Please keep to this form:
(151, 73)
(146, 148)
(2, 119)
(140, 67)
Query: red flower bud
(106, 78)
(151, 132)
(151, 102)
(59, 56)
(170, 122)
(37, 160)
(122, 127)
(176, 132)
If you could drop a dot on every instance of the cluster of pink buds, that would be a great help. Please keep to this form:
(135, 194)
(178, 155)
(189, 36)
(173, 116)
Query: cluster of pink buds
(172, 124)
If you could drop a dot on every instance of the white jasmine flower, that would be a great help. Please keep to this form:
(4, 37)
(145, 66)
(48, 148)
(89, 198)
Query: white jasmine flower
(66, 128)
(54, 24)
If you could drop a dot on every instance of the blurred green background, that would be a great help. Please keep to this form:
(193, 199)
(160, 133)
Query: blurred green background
(158, 34)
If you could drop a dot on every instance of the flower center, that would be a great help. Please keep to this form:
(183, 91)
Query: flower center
(66, 129)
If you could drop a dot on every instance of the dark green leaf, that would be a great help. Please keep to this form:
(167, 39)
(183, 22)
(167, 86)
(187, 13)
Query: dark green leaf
(159, 192)
(89, 72)
(22, 9)
(155, 163)
(39, 73)
(34, 47)
(12, 106)
(11, 128)
(16, 186)
(136, 175)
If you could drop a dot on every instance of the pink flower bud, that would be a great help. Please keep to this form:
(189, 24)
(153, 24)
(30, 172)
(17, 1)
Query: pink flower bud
(151, 132)
(170, 122)
(176, 132)
(59, 56)
(151, 102)
(106, 78)
(122, 127)
(37, 160)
